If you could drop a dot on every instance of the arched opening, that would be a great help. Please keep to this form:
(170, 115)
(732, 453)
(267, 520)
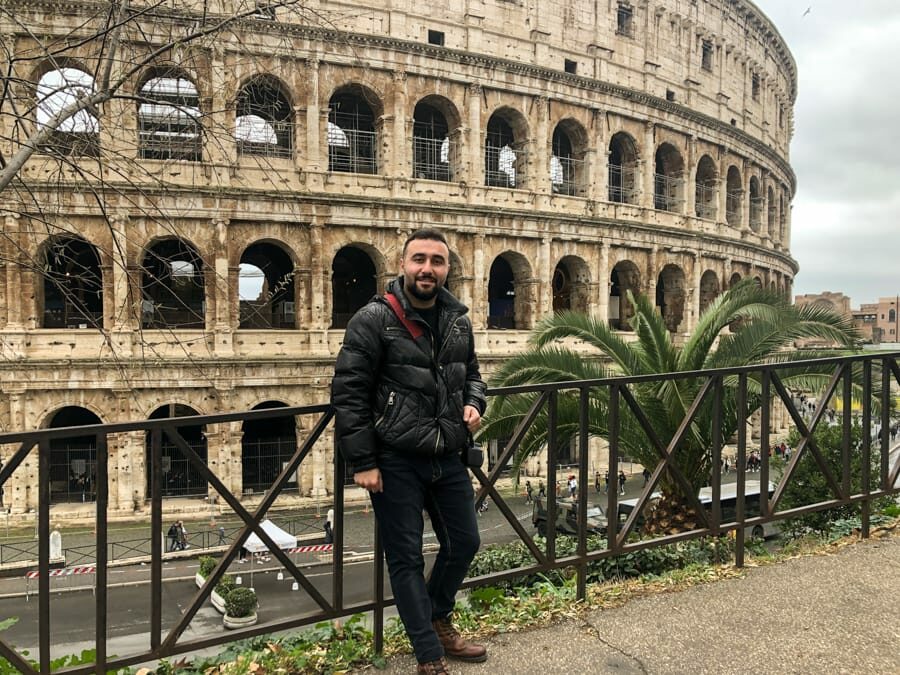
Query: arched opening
(566, 162)
(772, 213)
(706, 189)
(266, 447)
(266, 288)
(735, 278)
(782, 220)
(353, 283)
(501, 295)
(756, 205)
(264, 119)
(431, 143)
(622, 165)
(73, 461)
(180, 477)
(668, 179)
(570, 285)
(172, 286)
(670, 296)
(709, 289)
(352, 139)
(734, 192)
(72, 285)
(504, 158)
(625, 277)
(892, 316)
(169, 118)
(78, 134)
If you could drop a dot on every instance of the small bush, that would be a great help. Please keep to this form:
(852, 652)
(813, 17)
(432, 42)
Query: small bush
(240, 602)
(207, 565)
(225, 586)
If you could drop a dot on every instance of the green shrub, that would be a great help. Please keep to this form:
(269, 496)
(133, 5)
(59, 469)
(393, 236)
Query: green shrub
(225, 586)
(207, 565)
(891, 510)
(240, 602)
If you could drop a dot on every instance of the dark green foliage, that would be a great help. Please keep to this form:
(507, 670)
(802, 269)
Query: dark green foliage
(225, 586)
(808, 484)
(240, 602)
(207, 565)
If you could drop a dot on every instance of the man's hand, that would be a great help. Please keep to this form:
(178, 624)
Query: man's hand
(472, 418)
(370, 480)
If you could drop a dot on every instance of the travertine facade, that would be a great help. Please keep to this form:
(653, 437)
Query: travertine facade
(571, 151)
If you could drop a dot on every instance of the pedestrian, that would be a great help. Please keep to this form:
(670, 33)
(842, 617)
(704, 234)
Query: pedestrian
(597, 482)
(329, 527)
(606, 482)
(542, 490)
(529, 492)
(573, 487)
(173, 537)
(222, 540)
(182, 537)
(403, 354)
(622, 481)
(646, 474)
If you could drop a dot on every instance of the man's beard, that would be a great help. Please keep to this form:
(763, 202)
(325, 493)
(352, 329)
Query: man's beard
(424, 295)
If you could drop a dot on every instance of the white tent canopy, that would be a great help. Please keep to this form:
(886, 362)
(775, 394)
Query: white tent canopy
(284, 540)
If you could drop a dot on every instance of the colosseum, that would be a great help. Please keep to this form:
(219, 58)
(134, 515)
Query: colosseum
(196, 242)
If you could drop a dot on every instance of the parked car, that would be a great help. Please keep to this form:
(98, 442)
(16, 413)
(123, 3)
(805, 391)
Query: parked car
(567, 517)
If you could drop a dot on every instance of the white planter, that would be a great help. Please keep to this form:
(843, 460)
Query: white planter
(217, 601)
(234, 622)
(199, 580)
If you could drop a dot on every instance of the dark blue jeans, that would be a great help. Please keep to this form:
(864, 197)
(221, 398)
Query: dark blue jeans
(440, 486)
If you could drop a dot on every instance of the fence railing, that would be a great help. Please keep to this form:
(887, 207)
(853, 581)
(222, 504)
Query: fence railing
(867, 378)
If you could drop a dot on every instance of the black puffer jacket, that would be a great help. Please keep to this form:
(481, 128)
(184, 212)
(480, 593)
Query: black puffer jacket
(391, 392)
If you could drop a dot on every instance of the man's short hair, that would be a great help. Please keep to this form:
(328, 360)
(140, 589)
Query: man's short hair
(426, 233)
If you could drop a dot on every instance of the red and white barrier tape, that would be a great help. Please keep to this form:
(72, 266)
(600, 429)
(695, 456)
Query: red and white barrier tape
(64, 572)
(314, 548)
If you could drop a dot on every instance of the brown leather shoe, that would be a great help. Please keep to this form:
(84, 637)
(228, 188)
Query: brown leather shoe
(438, 667)
(455, 646)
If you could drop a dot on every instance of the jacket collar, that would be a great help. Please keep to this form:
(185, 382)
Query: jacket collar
(445, 300)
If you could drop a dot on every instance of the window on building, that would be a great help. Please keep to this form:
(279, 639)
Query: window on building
(169, 118)
(707, 55)
(264, 10)
(781, 117)
(79, 134)
(352, 139)
(263, 119)
(570, 66)
(670, 95)
(625, 20)
(754, 87)
(436, 37)
(431, 143)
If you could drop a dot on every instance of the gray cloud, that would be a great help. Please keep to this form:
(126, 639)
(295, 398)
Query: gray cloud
(844, 232)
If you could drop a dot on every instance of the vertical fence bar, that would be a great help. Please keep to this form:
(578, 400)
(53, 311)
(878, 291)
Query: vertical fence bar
(337, 559)
(740, 506)
(846, 426)
(581, 590)
(612, 510)
(885, 470)
(715, 471)
(43, 516)
(866, 446)
(551, 473)
(765, 395)
(155, 538)
(378, 614)
(101, 574)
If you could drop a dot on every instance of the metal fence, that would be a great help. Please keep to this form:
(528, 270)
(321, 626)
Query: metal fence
(868, 378)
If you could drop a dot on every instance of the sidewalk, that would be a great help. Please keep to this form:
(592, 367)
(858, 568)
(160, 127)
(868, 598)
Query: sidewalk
(835, 613)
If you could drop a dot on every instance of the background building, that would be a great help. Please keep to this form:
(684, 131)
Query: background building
(197, 243)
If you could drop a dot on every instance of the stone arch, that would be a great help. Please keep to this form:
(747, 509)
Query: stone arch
(70, 291)
(734, 194)
(58, 86)
(668, 178)
(173, 293)
(266, 287)
(623, 160)
(264, 117)
(434, 153)
(354, 281)
(180, 477)
(568, 146)
(709, 289)
(169, 115)
(771, 213)
(456, 275)
(510, 292)
(756, 205)
(354, 122)
(670, 296)
(706, 189)
(505, 140)
(571, 285)
(73, 460)
(625, 276)
(266, 445)
(735, 278)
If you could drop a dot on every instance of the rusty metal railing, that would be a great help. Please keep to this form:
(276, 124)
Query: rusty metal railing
(853, 376)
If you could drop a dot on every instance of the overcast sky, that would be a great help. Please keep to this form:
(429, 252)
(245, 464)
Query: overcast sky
(846, 148)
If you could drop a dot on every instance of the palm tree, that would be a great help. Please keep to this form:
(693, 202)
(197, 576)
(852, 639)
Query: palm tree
(764, 328)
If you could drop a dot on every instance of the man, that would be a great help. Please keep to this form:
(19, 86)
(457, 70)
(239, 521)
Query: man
(404, 411)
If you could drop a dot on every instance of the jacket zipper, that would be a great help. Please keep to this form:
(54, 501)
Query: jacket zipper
(387, 408)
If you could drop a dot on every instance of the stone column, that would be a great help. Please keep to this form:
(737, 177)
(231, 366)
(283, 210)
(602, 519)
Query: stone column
(745, 198)
(401, 160)
(603, 283)
(17, 492)
(544, 274)
(690, 183)
(316, 160)
(649, 168)
(320, 295)
(479, 307)
(652, 274)
(13, 245)
(125, 308)
(695, 293)
(222, 320)
(475, 161)
(541, 150)
(219, 147)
